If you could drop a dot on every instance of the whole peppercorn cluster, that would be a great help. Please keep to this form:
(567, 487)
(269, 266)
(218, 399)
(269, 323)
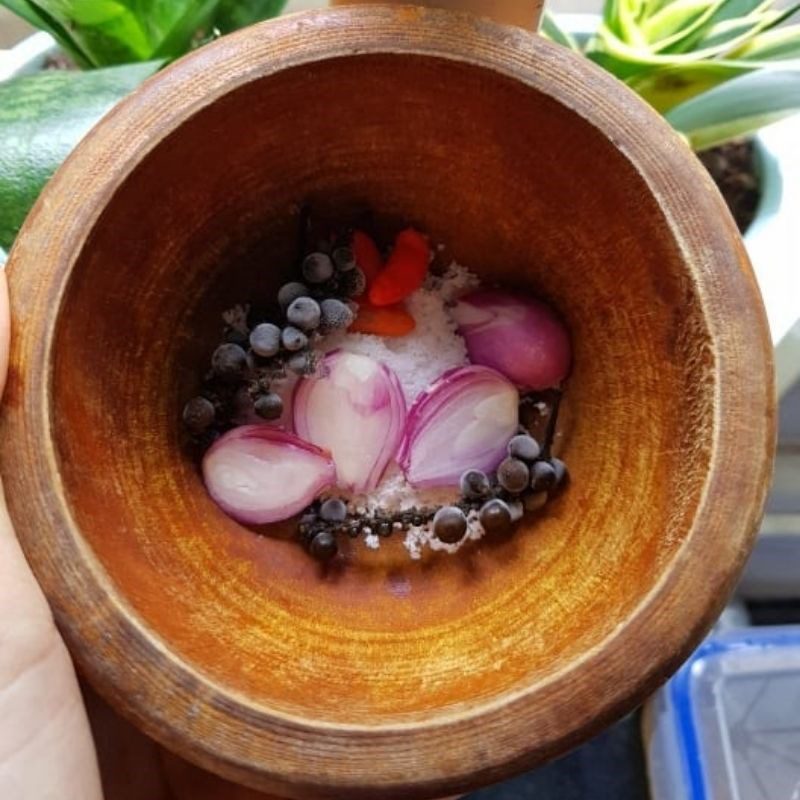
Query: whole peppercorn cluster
(324, 520)
(260, 351)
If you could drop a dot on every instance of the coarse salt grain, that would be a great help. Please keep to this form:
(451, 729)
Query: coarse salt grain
(394, 494)
(418, 538)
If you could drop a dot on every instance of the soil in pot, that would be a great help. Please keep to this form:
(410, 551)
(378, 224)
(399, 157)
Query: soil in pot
(732, 166)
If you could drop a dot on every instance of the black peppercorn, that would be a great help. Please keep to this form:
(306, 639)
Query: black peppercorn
(449, 524)
(317, 267)
(562, 474)
(495, 517)
(236, 336)
(475, 485)
(543, 476)
(513, 475)
(269, 406)
(534, 501)
(344, 259)
(229, 362)
(323, 546)
(333, 510)
(353, 283)
(198, 414)
(517, 510)
(525, 447)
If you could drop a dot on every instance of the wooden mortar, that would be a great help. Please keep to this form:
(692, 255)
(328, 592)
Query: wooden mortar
(386, 678)
(524, 13)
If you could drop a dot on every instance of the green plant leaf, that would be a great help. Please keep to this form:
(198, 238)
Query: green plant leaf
(178, 39)
(727, 31)
(738, 107)
(732, 19)
(609, 51)
(666, 87)
(42, 118)
(774, 45)
(694, 40)
(123, 31)
(234, 14)
(107, 31)
(620, 17)
(631, 32)
(611, 16)
(624, 61)
(767, 21)
(736, 9)
(27, 10)
(677, 20)
(652, 7)
(550, 28)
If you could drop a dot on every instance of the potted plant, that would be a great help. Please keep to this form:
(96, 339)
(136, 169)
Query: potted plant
(100, 51)
(724, 75)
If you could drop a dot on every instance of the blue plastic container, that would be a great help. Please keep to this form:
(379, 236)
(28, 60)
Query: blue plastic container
(727, 726)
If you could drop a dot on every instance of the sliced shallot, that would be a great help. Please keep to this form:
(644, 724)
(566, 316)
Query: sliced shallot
(519, 336)
(259, 473)
(354, 408)
(463, 421)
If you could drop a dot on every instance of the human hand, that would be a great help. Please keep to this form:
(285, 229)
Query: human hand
(47, 748)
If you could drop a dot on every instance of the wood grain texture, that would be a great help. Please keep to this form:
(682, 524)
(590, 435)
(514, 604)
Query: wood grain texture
(524, 13)
(386, 678)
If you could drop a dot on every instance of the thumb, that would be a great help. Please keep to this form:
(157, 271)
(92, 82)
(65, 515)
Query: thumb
(46, 748)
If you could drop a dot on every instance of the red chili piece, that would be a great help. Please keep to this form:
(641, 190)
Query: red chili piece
(384, 321)
(405, 270)
(368, 257)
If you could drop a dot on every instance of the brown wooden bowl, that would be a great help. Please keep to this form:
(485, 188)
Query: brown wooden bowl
(386, 678)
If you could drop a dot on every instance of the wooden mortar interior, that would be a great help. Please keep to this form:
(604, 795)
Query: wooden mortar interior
(521, 190)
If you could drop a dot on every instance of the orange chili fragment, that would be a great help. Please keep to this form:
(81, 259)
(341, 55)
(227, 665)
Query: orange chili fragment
(385, 321)
(405, 270)
(368, 257)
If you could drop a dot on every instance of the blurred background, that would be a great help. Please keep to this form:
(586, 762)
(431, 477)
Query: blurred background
(12, 29)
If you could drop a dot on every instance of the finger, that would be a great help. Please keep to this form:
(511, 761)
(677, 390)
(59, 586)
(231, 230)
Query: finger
(46, 750)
